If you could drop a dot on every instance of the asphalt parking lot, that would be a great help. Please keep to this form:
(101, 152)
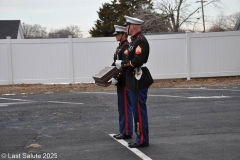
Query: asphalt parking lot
(185, 124)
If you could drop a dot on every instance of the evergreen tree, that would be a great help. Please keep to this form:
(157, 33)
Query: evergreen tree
(113, 14)
(133, 6)
(108, 16)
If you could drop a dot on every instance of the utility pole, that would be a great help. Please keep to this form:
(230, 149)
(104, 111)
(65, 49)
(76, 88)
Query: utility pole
(203, 14)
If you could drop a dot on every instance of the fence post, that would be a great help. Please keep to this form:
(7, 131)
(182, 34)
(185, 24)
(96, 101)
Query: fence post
(71, 62)
(9, 60)
(188, 54)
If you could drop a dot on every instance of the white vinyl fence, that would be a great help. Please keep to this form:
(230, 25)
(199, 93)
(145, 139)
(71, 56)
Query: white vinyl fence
(76, 60)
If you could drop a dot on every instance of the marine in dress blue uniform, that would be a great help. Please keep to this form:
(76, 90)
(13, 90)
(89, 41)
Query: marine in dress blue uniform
(138, 79)
(124, 106)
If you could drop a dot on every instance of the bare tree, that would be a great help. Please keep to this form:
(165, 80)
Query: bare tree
(219, 24)
(179, 12)
(232, 20)
(65, 32)
(59, 33)
(34, 31)
(224, 23)
(75, 31)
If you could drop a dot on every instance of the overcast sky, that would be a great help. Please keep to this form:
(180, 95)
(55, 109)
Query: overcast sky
(57, 14)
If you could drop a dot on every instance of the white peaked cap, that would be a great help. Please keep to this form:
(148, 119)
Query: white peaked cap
(119, 29)
(133, 20)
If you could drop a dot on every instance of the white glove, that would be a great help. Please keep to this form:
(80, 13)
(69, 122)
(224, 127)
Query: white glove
(113, 80)
(118, 64)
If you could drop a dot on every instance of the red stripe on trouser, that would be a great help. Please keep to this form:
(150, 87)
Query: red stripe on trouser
(140, 122)
(125, 109)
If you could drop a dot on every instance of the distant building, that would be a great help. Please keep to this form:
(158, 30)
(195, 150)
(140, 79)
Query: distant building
(12, 28)
(237, 27)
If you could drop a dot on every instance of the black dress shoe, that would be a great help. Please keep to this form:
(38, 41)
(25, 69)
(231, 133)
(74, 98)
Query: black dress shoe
(116, 135)
(137, 145)
(122, 136)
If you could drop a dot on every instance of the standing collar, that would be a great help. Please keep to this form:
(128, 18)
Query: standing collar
(135, 35)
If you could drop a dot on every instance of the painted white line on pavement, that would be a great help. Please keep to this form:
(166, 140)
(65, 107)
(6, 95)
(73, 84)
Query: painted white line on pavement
(203, 88)
(134, 150)
(148, 94)
(7, 104)
(170, 96)
(234, 90)
(210, 97)
(152, 95)
(63, 102)
(29, 101)
(16, 99)
(11, 94)
(22, 101)
(98, 92)
(3, 105)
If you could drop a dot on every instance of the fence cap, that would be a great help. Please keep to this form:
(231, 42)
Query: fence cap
(8, 37)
